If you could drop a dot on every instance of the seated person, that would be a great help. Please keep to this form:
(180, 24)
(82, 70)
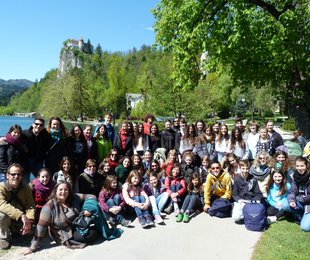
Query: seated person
(17, 209)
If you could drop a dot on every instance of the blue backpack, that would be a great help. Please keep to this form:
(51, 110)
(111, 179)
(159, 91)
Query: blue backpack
(255, 218)
(220, 208)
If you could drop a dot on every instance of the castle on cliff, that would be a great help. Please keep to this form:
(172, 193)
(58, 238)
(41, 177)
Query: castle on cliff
(69, 56)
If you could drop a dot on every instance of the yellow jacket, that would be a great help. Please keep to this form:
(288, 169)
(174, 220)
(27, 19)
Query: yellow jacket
(220, 186)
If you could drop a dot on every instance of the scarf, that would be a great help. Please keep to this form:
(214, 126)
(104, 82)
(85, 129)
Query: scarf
(89, 173)
(301, 179)
(42, 191)
(113, 164)
(56, 135)
(11, 140)
(124, 136)
(261, 172)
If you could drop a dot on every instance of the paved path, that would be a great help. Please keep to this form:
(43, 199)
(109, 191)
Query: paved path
(204, 237)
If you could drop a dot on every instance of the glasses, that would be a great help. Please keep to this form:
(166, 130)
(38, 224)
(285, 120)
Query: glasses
(215, 168)
(38, 124)
(16, 174)
(113, 154)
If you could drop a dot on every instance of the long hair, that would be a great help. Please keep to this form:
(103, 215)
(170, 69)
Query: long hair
(105, 135)
(133, 173)
(82, 137)
(286, 164)
(239, 140)
(72, 170)
(107, 183)
(221, 136)
(15, 127)
(191, 187)
(61, 125)
(270, 182)
(189, 137)
(269, 159)
(139, 134)
(54, 191)
(157, 176)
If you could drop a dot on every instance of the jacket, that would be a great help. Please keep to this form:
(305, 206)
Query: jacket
(278, 201)
(246, 189)
(104, 196)
(220, 186)
(169, 181)
(16, 202)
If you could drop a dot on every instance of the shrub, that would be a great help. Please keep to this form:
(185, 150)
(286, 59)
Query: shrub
(289, 124)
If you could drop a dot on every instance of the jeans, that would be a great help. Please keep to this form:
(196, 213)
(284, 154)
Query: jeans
(191, 203)
(116, 201)
(159, 202)
(305, 222)
(140, 212)
(176, 188)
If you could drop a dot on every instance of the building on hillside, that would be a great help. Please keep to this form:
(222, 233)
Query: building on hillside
(68, 56)
(133, 99)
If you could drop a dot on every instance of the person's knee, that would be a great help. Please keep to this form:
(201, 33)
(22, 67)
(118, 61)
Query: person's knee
(305, 223)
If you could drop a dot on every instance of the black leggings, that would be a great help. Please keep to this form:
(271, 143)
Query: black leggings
(272, 211)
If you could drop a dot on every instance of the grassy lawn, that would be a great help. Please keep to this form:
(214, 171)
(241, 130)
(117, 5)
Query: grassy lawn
(283, 240)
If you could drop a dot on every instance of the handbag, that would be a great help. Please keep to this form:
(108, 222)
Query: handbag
(83, 222)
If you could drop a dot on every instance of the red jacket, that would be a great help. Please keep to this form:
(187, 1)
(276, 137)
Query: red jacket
(169, 181)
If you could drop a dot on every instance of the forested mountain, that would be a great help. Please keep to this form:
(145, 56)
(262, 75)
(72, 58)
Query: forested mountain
(8, 88)
(101, 84)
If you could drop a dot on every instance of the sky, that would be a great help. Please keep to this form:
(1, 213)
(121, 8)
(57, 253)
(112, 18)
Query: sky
(33, 31)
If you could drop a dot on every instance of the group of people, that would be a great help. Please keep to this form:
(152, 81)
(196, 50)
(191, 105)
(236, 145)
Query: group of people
(105, 177)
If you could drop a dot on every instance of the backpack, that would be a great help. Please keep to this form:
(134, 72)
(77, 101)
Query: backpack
(255, 217)
(220, 208)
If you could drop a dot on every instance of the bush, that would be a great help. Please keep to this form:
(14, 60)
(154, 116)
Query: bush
(289, 124)
(268, 113)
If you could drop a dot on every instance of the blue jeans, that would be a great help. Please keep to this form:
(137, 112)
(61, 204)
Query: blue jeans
(116, 201)
(305, 222)
(191, 203)
(140, 212)
(2, 176)
(159, 202)
(176, 188)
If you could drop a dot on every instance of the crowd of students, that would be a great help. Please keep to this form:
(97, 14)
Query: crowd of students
(184, 169)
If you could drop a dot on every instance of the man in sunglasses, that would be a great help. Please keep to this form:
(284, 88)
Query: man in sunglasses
(17, 207)
(37, 143)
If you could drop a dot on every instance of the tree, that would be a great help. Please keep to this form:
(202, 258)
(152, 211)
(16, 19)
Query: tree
(260, 42)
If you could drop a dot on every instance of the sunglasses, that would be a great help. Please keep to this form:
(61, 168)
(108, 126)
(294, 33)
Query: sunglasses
(215, 168)
(38, 124)
(16, 174)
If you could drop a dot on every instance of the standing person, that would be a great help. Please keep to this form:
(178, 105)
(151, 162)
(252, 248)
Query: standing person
(58, 143)
(176, 188)
(176, 124)
(112, 202)
(136, 197)
(205, 144)
(42, 187)
(216, 128)
(237, 145)
(148, 122)
(218, 185)
(167, 139)
(17, 209)
(264, 143)
(277, 190)
(78, 147)
(140, 140)
(200, 126)
(92, 152)
(158, 195)
(104, 143)
(193, 200)
(154, 138)
(299, 195)
(90, 181)
(12, 150)
(275, 138)
(187, 142)
(261, 169)
(221, 143)
(37, 143)
(108, 119)
(252, 139)
(123, 142)
(245, 190)
(180, 133)
(301, 140)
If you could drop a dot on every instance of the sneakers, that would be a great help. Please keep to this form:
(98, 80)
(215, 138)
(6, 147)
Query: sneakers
(149, 220)
(158, 219)
(142, 221)
(169, 209)
(186, 218)
(4, 244)
(125, 222)
(271, 219)
(179, 217)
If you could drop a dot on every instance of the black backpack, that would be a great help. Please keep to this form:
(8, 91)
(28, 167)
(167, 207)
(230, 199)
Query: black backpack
(220, 208)
(255, 217)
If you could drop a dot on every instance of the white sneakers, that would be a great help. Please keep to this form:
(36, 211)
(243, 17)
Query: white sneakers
(271, 219)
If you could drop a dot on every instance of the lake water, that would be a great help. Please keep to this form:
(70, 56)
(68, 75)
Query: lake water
(7, 121)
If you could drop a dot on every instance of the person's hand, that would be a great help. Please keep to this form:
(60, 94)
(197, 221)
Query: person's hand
(145, 206)
(206, 208)
(26, 229)
(293, 204)
(28, 251)
(117, 209)
(174, 195)
(87, 213)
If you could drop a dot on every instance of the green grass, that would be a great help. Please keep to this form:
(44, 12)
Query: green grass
(283, 240)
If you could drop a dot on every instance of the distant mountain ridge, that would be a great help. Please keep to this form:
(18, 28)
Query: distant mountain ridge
(9, 88)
